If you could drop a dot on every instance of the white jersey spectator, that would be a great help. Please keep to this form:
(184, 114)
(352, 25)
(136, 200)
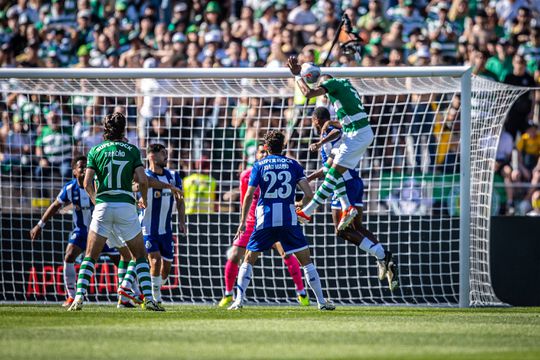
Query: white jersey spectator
(302, 14)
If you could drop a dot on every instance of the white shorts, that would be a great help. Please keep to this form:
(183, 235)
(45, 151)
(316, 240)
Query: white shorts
(118, 222)
(113, 241)
(353, 147)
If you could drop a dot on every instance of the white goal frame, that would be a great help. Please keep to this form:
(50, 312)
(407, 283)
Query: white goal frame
(461, 72)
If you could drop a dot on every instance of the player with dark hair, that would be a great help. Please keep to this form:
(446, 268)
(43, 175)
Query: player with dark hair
(113, 164)
(74, 193)
(277, 177)
(357, 234)
(238, 249)
(156, 218)
(357, 135)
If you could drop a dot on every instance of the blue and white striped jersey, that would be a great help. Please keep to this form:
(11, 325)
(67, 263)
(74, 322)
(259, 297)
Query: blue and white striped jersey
(277, 177)
(156, 218)
(326, 149)
(326, 152)
(82, 206)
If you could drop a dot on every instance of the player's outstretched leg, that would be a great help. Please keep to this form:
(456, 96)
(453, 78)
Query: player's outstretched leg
(387, 267)
(323, 192)
(349, 212)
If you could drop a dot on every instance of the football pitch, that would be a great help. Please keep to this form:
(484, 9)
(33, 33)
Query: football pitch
(205, 332)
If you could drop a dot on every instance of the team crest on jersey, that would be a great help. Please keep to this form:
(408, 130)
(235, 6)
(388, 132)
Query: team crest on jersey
(148, 244)
(157, 194)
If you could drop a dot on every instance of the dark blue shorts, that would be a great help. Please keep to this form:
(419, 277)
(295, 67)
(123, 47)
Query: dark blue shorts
(78, 238)
(164, 244)
(355, 193)
(291, 238)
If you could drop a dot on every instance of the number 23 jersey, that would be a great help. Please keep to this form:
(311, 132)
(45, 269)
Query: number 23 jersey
(277, 177)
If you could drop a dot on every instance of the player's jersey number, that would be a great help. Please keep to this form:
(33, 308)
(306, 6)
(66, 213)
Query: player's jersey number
(280, 185)
(110, 167)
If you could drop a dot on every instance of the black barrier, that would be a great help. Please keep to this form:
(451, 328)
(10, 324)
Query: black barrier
(33, 270)
(515, 259)
(429, 263)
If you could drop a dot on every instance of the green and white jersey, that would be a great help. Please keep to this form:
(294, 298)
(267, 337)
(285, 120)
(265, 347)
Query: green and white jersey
(56, 144)
(114, 163)
(347, 103)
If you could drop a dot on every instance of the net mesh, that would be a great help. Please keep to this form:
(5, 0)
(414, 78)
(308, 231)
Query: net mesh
(211, 128)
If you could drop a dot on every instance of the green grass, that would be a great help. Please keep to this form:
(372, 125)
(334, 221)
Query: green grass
(202, 332)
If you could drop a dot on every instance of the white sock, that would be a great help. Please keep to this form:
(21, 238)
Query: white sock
(156, 287)
(244, 277)
(343, 200)
(371, 248)
(378, 251)
(70, 279)
(314, 282)
(310, 208)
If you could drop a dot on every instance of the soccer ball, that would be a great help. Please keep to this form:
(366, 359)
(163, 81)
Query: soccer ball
(310, 73)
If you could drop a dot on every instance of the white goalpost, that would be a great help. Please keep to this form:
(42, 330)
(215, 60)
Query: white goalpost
(428, 175)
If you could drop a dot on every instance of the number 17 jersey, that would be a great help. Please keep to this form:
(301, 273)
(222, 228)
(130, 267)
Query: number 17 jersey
(277, 177)
(114, 163)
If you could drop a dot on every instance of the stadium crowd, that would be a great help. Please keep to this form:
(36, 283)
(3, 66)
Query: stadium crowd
(499, 39)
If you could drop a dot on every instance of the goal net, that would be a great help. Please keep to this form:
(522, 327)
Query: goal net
(211, 121)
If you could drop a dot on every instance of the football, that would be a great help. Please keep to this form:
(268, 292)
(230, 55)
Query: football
(310, 73)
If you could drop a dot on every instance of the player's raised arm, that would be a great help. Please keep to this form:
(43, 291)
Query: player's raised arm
(306, 71)
(156, 184)
(333, 135)
(49, 213)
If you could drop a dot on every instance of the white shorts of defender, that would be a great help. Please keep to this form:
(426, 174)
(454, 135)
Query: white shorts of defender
(118, 222)
(353, 147)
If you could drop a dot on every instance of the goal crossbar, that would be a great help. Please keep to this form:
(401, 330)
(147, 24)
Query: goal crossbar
(230, 73)
(462, 83)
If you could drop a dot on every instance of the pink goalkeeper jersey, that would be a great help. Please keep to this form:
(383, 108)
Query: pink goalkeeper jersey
(244, 181)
